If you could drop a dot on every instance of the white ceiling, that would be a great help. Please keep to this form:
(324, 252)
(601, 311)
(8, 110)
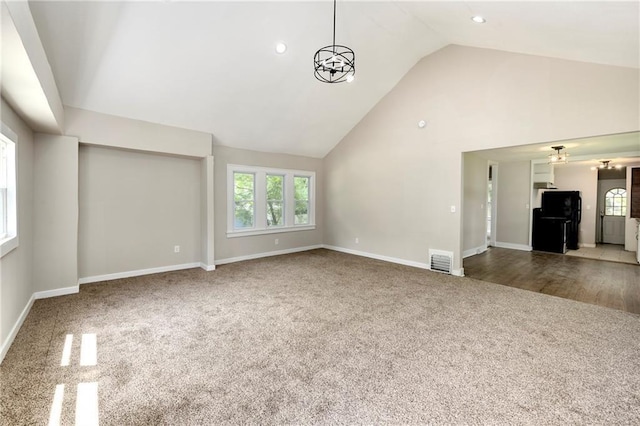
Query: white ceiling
(623, 148)
(211, 66)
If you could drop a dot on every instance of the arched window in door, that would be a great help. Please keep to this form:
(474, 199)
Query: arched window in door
(615, 202)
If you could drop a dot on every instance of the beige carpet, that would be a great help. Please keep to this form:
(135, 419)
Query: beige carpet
(325, 338)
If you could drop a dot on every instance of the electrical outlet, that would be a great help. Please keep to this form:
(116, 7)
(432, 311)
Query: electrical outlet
(176, 249)
(357, 240)
(277, 241)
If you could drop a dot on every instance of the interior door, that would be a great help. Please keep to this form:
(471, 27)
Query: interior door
(613, 203)
(613, 230)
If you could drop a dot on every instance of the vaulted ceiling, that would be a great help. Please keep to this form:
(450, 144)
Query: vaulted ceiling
(212, 66)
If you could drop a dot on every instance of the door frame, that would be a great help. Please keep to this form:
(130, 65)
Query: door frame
(494, 200)
(600, 207)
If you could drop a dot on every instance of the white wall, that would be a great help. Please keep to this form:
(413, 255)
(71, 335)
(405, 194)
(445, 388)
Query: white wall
(393, 184)
(16, 276)
(241, 247)
(55, 257)
(474, 235)
(580, 177)
(134, 208)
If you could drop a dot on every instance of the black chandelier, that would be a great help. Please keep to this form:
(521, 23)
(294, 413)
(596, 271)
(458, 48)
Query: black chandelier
(335, 63)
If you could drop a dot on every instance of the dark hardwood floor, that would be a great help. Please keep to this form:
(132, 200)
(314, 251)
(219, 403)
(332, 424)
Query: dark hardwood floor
(610, 284)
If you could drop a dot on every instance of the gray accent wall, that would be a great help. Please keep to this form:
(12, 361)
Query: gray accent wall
(134, 208)
(514, 209)
(244, 247)
(476, 176)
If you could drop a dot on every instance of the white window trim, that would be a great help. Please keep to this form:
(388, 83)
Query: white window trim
(11, 241)
(626, 209)
(260, 220)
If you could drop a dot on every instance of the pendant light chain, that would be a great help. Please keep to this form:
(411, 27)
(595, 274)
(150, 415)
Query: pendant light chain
(334, 26)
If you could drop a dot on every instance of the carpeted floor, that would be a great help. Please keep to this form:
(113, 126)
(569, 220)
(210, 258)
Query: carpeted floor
(320, 337)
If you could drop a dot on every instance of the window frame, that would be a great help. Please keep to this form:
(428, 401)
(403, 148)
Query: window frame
(260, 196)
(9, 241)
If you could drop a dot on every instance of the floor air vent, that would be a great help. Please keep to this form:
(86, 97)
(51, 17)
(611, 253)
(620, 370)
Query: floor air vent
(440, 261)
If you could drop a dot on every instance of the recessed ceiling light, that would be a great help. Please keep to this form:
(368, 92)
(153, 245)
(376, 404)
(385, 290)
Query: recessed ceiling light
(281, 48)
(478, 19)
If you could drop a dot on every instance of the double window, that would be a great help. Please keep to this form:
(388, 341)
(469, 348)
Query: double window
(8, 213)
(262, 200)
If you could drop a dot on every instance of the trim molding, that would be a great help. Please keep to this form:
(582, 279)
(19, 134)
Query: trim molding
(16, 327)
(587, 245)
(378, 257)
(522, 247)
(267, 254)
(57, 292)
(474, 251)
(128, 274)
(207, 267)
(456, 272)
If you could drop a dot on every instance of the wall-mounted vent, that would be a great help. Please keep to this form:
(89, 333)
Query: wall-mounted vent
(440, 261)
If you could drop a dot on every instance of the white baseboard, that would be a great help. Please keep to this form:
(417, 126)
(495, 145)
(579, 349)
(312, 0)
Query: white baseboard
(207, 267)
(57, 292)
(378, 257)
(522, 247)
(587, 245)
(474, 251)
(14, 331)
(128, 274)
(266, 254)
(456, 272)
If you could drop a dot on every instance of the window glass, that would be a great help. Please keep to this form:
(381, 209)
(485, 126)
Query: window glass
(301, 184)
(244, 198)
(615, 202)
(8, 192)
(264, 200)
(275, 200)
(3, 187)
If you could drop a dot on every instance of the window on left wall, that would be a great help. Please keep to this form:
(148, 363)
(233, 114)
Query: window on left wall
(8, 213)
(263, 200)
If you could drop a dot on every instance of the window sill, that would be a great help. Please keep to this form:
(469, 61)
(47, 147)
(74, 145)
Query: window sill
(8, 244)
(279, 230)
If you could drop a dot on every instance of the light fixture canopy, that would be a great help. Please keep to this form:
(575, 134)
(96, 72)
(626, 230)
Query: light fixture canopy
(478, 19)
(558, 157)
(335, 63)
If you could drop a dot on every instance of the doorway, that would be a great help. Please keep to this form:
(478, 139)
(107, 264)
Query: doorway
(491, 203)
(612, 206)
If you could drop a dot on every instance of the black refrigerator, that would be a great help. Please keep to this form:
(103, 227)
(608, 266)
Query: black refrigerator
(556, 223)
